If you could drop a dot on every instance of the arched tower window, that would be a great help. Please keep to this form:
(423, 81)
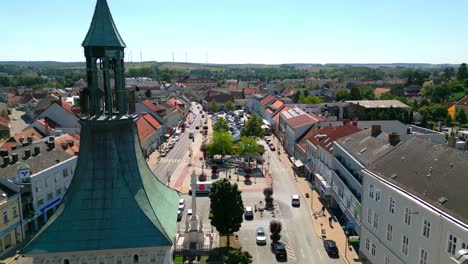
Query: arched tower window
(136, 259)
(66, 261)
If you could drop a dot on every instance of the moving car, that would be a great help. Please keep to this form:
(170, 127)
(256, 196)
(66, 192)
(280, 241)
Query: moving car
(189, 212)
(330, 247)
(190, 135)
(295, 200)
(179, 215)
(261, 237)
(248, 213)
(279, 248)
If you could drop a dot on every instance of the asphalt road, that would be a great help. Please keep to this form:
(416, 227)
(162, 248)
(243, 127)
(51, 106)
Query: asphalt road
(19, 124)
(167, 165)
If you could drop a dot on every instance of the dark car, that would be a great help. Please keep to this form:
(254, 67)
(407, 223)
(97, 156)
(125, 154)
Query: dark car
(330, 247)
(272, 147)
(279, 248)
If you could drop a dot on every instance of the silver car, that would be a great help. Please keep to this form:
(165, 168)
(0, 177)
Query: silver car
(261, 237)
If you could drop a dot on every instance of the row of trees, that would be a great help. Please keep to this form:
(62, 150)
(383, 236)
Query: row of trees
(303, 97)
(213, 106)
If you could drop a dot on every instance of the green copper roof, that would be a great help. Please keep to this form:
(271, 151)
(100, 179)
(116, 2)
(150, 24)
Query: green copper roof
(103, 32)
(114, 201)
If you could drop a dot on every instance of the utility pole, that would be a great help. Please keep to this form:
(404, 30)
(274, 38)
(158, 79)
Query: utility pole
(172, 56)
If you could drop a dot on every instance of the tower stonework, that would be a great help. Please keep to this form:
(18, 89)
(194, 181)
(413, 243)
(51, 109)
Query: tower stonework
(115, 211)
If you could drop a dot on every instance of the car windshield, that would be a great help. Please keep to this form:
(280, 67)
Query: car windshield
(260, 233)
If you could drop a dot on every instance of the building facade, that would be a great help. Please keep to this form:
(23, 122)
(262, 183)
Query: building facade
(11, 232)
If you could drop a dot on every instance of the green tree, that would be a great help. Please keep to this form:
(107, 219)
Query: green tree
(227, 207)
(275, 230)
(434, 112)
(295, 97)
(355, 94)
(247, 145)
(462, 72)
(148, 92)
(237, 256)
(221, 124)
(213, 106)
(221, 145)
(342, 95)
(448, 120)
(448, 73)
(310, 99)
(253, 127)
(230, 106)
(460, 116)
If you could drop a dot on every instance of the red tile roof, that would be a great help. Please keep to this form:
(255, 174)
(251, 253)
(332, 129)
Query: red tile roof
(4, 122)
(150, 119)
(64, 104)
(15, 140)
(45, 120)
(381, 90)
(324, 137)
(303, 120)
(463, 101)
(68, 143)
(173, 101)
(269, 111)
(150, 105)
(268, 99)
(276, 116)
(145, 129)
(277, 104)
(249, 91)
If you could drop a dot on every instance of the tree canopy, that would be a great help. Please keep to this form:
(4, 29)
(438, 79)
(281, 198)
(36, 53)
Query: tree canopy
(213, 106)
(310, 99)
(341, 95)
(222, 143)
(227, 207)
(221, 124)
(253, 127)
(460, 117)
(247, 145)
(237, 256)
(230, 106)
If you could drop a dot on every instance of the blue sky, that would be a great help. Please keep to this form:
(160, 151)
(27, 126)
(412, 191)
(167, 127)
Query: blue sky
(245, 31)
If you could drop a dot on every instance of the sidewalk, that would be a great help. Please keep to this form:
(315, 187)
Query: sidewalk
(334, 232)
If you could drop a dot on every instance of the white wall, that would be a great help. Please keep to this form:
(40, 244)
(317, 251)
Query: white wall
(440, 226)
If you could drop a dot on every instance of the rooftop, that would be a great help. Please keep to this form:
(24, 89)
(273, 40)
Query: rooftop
(324, 137)
(302, 120)
(379, 104)
(268, 99)
(439, 173)
(463, 101)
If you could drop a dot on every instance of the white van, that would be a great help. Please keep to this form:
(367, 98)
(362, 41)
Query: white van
(202, 187)
(295, 200)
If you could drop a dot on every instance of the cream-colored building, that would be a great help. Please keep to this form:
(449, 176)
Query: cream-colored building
(11, 233)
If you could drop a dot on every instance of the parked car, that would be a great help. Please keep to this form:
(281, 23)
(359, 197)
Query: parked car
(197, 127)
(179, 215)
(181, 204)
(279, 248)
(248, 213)
(189, 212)
(330, 247)
(163, 153)
(272, 147)
(295, 200)
(261, 237)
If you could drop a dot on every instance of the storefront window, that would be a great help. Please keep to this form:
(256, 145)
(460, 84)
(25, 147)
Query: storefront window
(7, 241)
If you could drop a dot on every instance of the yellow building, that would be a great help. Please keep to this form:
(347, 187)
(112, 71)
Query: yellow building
(11, 233)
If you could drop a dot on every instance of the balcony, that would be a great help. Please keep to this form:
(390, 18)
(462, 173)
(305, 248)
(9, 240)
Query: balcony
(346, 183)
(344, 166)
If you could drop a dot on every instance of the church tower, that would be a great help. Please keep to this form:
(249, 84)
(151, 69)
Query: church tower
(115, 210)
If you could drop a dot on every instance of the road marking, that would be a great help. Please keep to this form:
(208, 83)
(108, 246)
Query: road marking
(291, 254)
(318, 252)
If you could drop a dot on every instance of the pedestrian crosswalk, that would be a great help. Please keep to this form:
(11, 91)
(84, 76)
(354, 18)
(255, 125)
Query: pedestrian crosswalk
(169, 160)
(291, 254)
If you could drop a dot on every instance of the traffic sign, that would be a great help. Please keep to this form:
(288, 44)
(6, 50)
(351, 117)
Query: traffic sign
(201, 187)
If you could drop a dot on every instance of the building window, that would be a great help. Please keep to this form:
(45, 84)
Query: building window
(65, 173)
(391, 206)
(7, 240)
(5, 217)
(15, 212)
(452, 244)
(119, 260)
(376, 220)
(404, 245)
(369, 215)
(40, 202)
(373, 250)
(389, 232)
(377, 195)
(58, 191)
(423, 256)
(135, 259)
(426, 229)
(371, 191)
(367, 244)
(50, 196)
(407, 216)
(66, 261)
(386, 260)
(464, 245)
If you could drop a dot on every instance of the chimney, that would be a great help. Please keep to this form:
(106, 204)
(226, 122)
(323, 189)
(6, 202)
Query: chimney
(6, 160)
(70, 143)
(64, 145)
(51, 145)
(47, 129)
(37, 150)
(14, 157)
(375, 130)
(393, 138)
(51, 139)
(3, 152)
(21, 140)
(30, 140)
(27, 153)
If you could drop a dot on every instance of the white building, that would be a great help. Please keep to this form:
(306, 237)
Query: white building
(415, 204)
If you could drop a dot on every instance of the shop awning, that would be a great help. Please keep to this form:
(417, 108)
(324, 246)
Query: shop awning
(298, 163)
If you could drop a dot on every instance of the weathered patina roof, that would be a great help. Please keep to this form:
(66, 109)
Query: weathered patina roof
(103, 32)
(114, 201)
